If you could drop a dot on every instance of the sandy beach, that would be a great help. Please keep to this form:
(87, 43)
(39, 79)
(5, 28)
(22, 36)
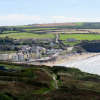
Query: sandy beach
(74, 57)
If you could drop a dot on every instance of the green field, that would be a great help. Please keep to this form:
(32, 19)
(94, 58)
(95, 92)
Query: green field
(26, 35)
(39, 29)
(8, 52)
(79, 23)
(71, 43)
(80, 36)
(24, 26)
(9, 31)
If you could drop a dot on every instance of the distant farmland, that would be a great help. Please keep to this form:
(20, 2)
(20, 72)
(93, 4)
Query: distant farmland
(60, 31)
(91, 30)
(39, 29)
(55, 24)
(80, 36)
(26, 35)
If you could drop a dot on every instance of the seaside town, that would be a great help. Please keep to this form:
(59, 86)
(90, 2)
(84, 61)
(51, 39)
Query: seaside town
(49, 50)
(34, 56)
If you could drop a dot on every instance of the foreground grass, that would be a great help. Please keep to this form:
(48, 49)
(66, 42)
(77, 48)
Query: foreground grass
(35, 82)
(26, 35)
(80, 36)
(11, 66)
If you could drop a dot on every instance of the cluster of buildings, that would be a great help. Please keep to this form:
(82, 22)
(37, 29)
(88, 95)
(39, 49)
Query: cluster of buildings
(25, 53)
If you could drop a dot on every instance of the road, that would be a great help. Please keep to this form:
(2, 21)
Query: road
(57, 38)
(69, 48)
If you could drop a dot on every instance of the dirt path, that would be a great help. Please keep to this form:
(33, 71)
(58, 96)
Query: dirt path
(55, 82)
(57, 38)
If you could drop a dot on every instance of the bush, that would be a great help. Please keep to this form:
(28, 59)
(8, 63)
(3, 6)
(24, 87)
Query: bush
(4, 97)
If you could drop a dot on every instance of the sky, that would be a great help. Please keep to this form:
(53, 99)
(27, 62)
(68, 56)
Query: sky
(24, 12)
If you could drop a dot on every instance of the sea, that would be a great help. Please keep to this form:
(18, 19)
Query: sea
(90, 65)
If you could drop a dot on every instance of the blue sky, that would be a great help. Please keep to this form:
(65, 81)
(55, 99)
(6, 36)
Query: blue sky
(23, 12)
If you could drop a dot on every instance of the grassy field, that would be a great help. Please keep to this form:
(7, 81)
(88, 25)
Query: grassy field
(9, 31)
(26, 35)
(91, 30)
(79, 32)
(80, 36)
(60, 31)
(70, 43)
(79, 24)
(8, 52)
(11, 67)
(24, 26)
(39, 29)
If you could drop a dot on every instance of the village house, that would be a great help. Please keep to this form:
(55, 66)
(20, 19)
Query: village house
(71, 40)
(52, 51)
(13, 57)
(34, 39)
(52, 44)
(25, 47)
(4, 56)
(20, 56)
(25, 53)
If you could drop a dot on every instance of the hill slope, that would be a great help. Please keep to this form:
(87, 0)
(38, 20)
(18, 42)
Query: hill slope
(37, 82)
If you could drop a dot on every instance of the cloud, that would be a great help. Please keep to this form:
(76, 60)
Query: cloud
(22, 19)
(19, 17)
(70, 19)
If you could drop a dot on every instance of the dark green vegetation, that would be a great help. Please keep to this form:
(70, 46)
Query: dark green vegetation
(36, 83)
(91, 46)
(87, 25)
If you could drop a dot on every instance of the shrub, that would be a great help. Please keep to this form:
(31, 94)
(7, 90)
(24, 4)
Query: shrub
(4, 97)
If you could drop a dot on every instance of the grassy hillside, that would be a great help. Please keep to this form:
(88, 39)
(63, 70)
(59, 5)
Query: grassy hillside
(37, 82)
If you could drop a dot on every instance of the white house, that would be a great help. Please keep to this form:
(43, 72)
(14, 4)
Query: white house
(20, 56)
(52, 44)
(71, 40)
(14, 57)
(4, 57)
(52, 51)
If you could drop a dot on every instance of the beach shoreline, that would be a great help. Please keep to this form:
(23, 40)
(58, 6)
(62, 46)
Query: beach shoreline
(71, 58)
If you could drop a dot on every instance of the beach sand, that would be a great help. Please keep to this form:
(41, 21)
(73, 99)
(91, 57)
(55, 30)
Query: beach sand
(70, 59)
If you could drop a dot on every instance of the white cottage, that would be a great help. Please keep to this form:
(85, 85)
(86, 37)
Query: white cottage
(52, 44)
(4, 57)
(20, 56)
(52, 51)
(14, 57)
